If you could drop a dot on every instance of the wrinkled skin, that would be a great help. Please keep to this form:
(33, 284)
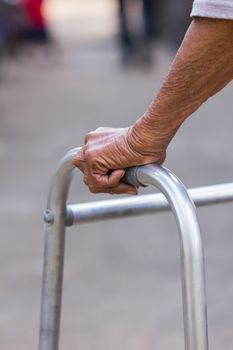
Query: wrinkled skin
(106, 154)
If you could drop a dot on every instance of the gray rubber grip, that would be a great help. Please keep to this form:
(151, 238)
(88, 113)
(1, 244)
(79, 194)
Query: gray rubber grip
(130, 177)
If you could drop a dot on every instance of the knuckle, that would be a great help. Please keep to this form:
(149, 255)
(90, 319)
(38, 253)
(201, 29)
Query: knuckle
(87, 153)
(91, 161)
(84, 148)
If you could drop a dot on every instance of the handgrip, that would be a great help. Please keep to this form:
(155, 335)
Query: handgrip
(131, 178)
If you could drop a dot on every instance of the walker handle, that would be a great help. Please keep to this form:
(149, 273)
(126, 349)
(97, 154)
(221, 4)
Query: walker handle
(131, 177)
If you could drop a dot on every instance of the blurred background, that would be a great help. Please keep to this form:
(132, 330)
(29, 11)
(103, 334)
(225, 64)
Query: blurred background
(68, 67)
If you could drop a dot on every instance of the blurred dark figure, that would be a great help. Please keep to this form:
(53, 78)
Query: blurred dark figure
(138, 26)
(175, 19)
(21, 22)
(141, 21)
(11, 23)
(35, 23)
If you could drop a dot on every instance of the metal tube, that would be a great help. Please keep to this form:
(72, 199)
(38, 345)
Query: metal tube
(192, 255)
(54, 254)
(192, 263)
(144, 204)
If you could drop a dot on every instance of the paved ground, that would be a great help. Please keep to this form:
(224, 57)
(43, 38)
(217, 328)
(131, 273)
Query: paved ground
(122, 288)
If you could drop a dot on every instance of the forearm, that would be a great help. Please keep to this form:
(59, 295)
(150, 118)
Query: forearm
(202, 67)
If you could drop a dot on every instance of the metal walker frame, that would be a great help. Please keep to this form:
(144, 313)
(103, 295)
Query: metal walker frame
(59, 215)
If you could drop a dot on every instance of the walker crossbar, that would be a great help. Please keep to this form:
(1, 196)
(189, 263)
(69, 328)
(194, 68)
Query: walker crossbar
(145, 204)
(58, 215)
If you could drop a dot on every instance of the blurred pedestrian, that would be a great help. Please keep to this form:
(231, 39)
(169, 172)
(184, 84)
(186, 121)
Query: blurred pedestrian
(35, 22)
(12, 22)
(137, 24)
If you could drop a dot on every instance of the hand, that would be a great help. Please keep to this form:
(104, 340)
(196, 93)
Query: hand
(106, 154)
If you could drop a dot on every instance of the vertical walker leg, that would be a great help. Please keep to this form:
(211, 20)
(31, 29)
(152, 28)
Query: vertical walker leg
(54, 217)
(192, 252)
(52, 287)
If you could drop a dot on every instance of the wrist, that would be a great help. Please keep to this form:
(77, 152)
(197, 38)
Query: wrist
(149, 135)
(143, 141)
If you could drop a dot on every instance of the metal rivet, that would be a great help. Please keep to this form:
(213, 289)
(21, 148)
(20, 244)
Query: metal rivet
(48, 217)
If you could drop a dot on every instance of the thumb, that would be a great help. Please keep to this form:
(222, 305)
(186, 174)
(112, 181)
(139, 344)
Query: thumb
(115, 177)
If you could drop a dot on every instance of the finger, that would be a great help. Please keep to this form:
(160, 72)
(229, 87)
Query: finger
(85, 173)
(122, 189)
(79, 160)
(102, 182)
(115, 177)
(85, 179)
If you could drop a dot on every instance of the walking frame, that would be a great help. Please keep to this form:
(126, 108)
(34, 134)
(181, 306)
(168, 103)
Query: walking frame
(174, 196)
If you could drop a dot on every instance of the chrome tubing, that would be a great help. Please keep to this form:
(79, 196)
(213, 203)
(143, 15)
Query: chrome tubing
(55, 217)
(192, 256)
(144, 204)
(192, 253)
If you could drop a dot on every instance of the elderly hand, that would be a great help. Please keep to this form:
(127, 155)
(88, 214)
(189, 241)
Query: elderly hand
(106, 154)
